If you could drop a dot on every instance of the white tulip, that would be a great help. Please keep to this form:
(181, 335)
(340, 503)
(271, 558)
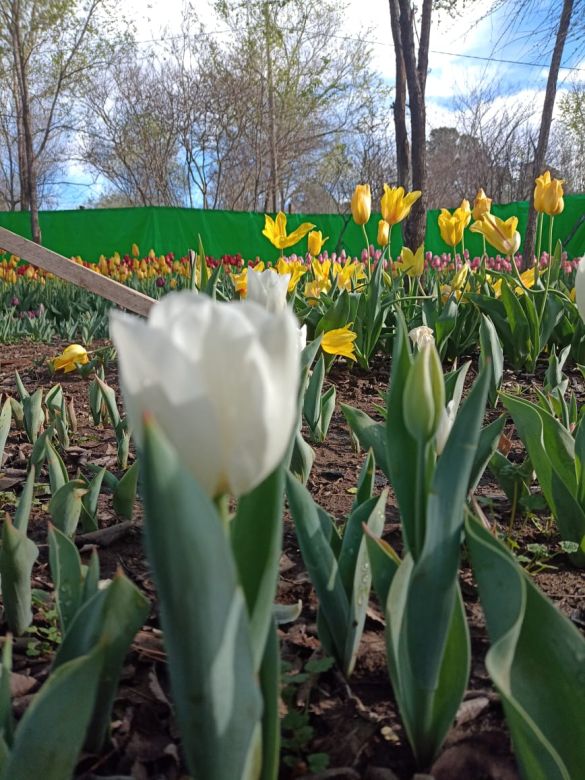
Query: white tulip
(580, 288)
(221, 380)
(421, 336)
(268, 288)
(445, 424)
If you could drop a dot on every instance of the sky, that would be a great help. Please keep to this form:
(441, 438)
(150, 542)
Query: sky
(498, 49)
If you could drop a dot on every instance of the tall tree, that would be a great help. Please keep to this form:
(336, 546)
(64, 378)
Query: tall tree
(404, 33)
(546, 120)
(47, 46)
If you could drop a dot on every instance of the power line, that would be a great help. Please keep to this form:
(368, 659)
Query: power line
(389, 45)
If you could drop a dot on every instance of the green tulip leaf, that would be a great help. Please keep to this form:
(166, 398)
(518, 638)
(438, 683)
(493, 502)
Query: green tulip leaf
(51, 733)
(22, 513)
(17, 557)
(89, 502)
(256, 537)
(66, 574)
(427, 711)
(204, 619)
(6, 719)
(321, 563)
(65, 506)
(312, 399)
(491, 349)
(57, 472)
(536, 661)
(110, 620)
(551, 449)
(125, 492)
(270, 681)
(370, 434)
(5, 420)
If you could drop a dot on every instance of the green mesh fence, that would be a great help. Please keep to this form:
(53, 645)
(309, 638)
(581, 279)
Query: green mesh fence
(90, 233)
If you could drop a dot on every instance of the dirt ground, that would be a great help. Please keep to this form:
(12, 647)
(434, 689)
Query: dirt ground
(332, 728)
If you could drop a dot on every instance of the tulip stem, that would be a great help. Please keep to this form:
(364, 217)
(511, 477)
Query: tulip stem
(367, 250)
(420, 499)
(540, 220)
(547, 283)
(390, 242)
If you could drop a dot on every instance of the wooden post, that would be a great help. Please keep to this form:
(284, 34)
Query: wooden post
(60, 266)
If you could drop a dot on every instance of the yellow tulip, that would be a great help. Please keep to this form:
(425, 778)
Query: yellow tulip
(135, 250)
(411, 263)
(383, 232)
(313, 291)
(548, 195)
(275, 231)
(396, 204)
(340, 341)
(460, 277)
(501, 234)
(451, 226)
(315, 242)
(481, 205)
(361, 204)
(463, 212)
(321, 271)
(72, 356)
(528, 279)
(347, 275)
(296, 270)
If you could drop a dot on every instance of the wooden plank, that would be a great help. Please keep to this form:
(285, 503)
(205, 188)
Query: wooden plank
(60, 266)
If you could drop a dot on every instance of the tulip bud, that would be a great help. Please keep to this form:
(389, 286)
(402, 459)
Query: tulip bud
(447, 419)
(553, 201)
(463, 212)
(481, 205)
(424, 395)
(383, 232)
(548, 195)
(361, 204)
(315, 242)
(421, 336)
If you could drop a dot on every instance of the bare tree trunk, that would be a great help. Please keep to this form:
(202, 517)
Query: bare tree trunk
(416, 75)
(271, 118)
(399, 106)
(545, 122)
(22, 179)
(25, 142)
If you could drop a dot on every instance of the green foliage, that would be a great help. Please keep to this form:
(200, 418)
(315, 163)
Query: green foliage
(338, 566)
(296, 724)
(536, 660)
(558, 460)
(205, 621)
(17, 556)
(318, 407)
(51, 733)
(109, 620)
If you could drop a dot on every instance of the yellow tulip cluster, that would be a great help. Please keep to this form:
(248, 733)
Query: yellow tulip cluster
(395, 206)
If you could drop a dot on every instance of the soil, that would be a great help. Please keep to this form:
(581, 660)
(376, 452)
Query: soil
(349, 729)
